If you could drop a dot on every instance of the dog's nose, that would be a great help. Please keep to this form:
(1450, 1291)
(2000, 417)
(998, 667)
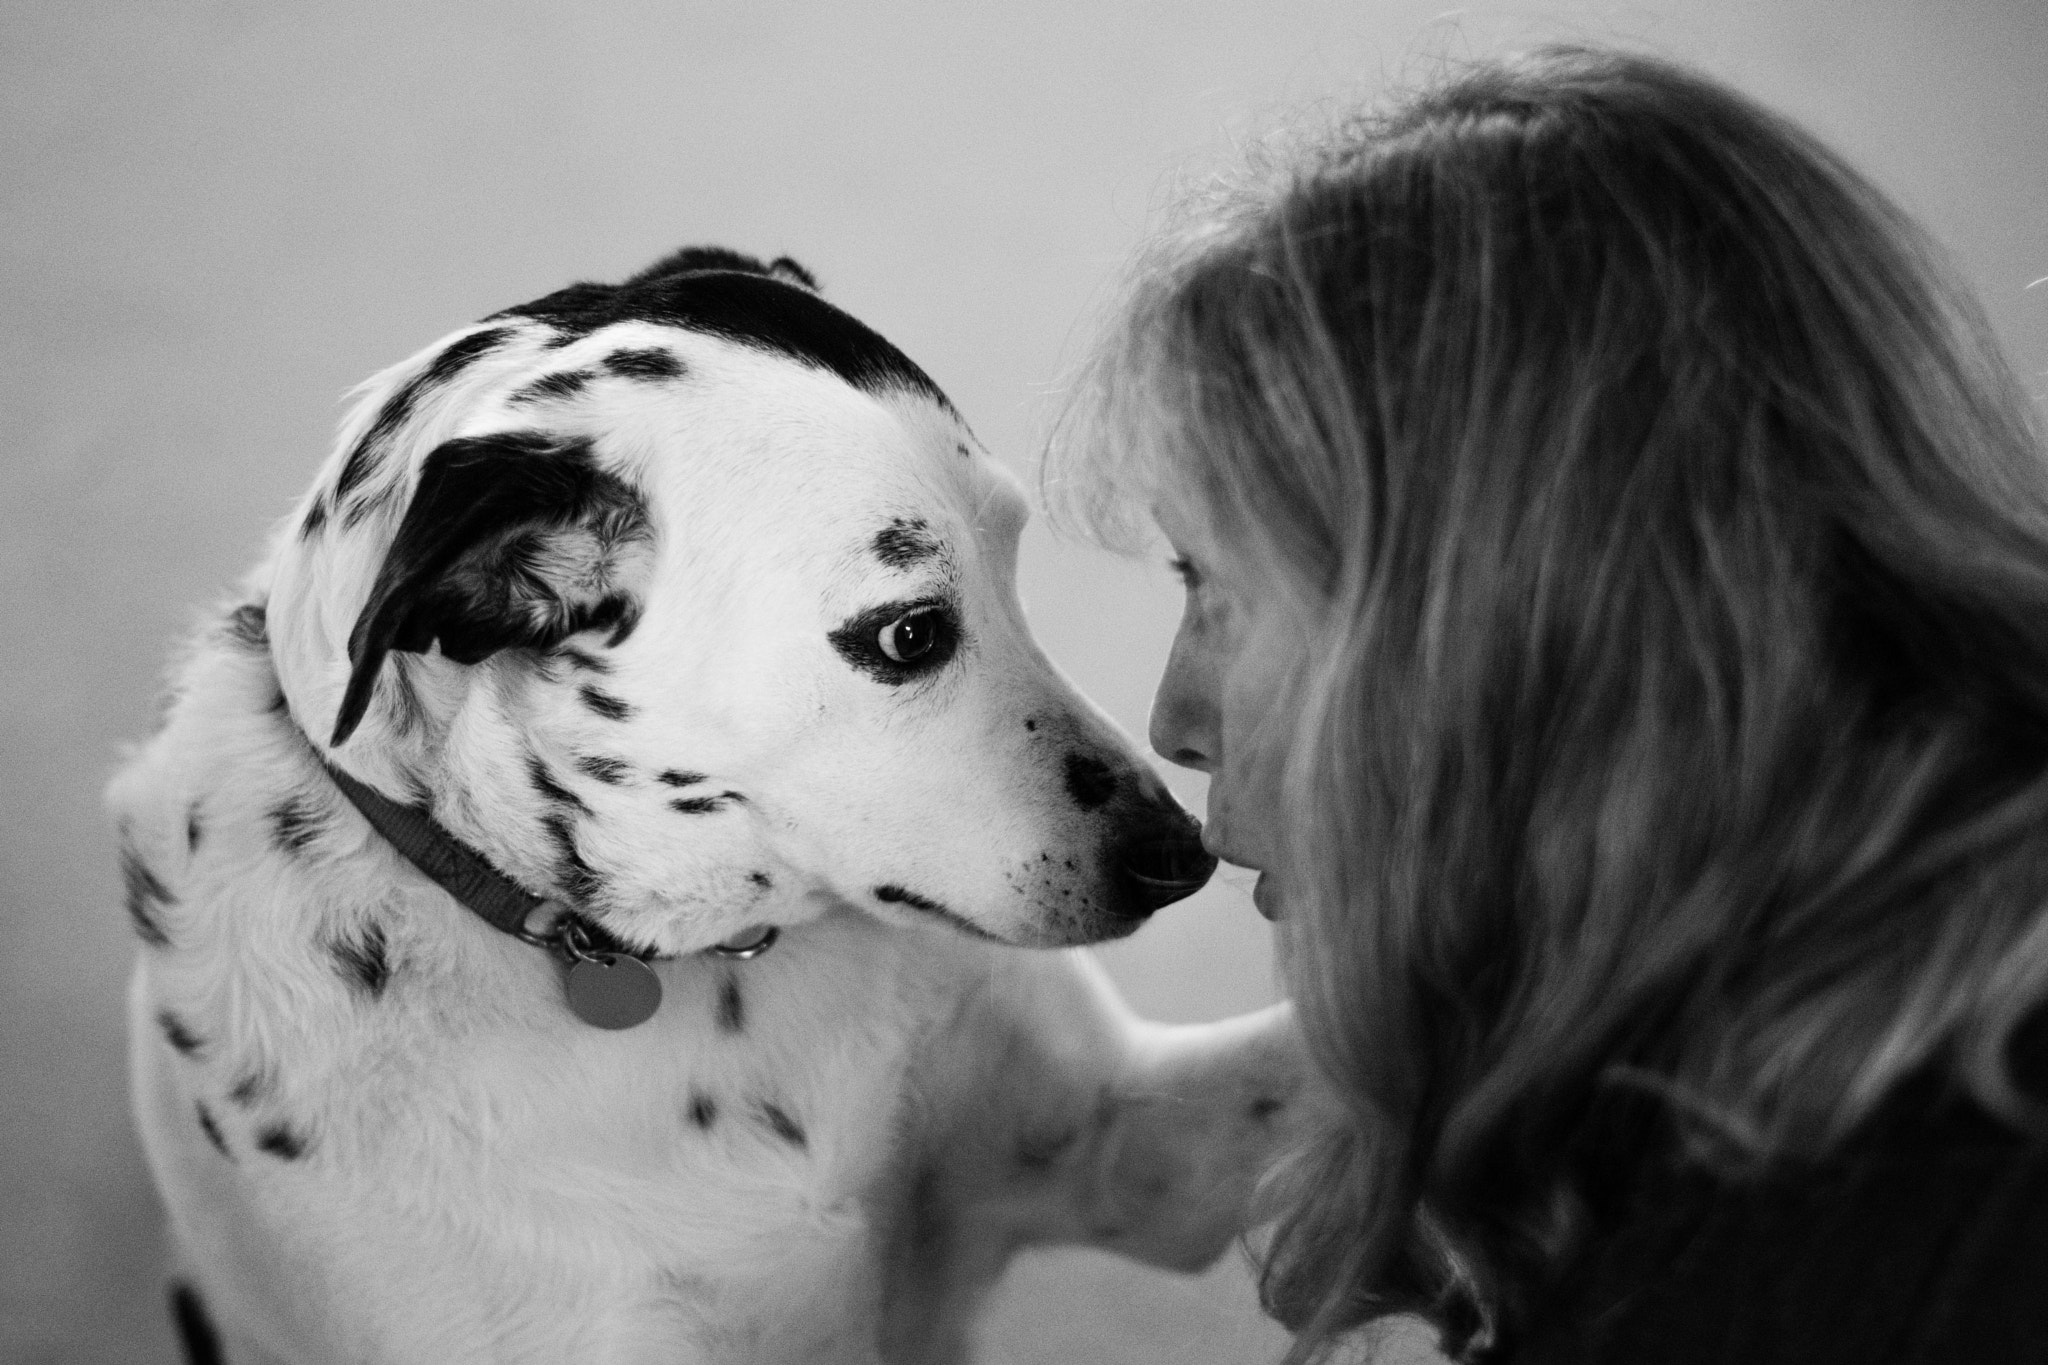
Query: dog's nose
(1163, 868)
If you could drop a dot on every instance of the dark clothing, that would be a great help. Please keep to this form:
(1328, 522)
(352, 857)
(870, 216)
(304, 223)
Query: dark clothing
(1923, 1239)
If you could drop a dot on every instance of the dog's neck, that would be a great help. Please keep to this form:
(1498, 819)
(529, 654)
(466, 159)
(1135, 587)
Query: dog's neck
(608, 984)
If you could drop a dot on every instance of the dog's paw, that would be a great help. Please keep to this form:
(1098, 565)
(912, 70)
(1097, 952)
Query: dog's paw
(1188, 1132)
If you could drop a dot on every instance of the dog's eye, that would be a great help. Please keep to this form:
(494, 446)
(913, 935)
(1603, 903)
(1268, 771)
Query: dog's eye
(911, 636)
(900, 642)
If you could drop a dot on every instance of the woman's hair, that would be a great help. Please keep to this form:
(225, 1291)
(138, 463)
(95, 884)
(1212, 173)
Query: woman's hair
(1677, 716)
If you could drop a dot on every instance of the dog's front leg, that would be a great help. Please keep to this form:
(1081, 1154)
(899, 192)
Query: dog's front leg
(1044, 1112)
(1146, 1139)
(1183, 1132)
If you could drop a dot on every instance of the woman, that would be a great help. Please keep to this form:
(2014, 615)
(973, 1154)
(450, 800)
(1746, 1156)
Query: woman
(1617, 630)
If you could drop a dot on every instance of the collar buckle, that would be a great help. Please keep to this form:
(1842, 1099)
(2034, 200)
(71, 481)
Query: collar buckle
(748, 945)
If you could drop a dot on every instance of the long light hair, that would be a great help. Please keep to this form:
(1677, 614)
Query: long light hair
(1677, 716)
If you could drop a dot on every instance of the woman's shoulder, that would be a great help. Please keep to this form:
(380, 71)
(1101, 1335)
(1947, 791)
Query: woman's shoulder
(1924, 1238)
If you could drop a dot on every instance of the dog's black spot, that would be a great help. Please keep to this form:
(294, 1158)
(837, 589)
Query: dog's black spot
(590, 663)
(544, 782)
(680, 777)
(198, 1338)
(1031, 725)
(902, 543)
(316, 517)
(732, 1006)
(703, 1109)
(294, 825)
(604, 703)
(762, 880)
(145, 897)
(1040, 1151)
(248, 626)
(458, 356)
(618, 613)
(783, 1125)
(565, 384)
(1265, 1107)
(896, 895)
(367, 505)
(706, 805)
(281, 1142)
(610, 771)
(250, 1089)
(452, 360)
(212, 1130)
(724, 293)
(1090, 781)
(364, 960)
(652, 363)
(577, 877)
(177, 1034)
(194, 831)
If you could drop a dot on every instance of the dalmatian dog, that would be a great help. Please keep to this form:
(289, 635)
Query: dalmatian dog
(607, 888)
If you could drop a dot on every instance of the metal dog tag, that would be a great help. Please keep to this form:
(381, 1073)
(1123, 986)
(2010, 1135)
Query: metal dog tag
(613, 990)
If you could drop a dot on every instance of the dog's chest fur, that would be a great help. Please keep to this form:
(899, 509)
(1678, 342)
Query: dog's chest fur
(411, 1100)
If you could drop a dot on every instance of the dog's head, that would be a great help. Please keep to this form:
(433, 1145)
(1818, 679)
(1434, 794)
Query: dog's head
(692, 600)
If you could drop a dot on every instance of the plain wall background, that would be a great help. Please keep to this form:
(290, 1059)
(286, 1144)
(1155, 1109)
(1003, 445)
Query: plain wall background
(215, 217)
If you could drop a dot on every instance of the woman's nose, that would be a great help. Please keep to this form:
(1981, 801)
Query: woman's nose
(1185, 719)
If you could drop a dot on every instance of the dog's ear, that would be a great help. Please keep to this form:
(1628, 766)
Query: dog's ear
(516, 539)
(693, 260)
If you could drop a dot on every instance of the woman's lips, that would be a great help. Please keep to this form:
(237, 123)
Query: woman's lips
(1265, 902)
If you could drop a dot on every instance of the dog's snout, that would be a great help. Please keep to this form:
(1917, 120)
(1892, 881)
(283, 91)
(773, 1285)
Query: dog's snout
(1164, 867)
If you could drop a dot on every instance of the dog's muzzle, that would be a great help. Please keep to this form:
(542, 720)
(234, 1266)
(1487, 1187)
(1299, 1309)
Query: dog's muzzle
(1163, 867)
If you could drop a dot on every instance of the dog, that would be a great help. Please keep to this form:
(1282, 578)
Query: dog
(609, 886)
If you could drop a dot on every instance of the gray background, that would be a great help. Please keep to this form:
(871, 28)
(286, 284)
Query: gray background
(219, 216)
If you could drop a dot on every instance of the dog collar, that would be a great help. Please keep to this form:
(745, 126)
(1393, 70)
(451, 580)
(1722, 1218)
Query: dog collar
(608, 985)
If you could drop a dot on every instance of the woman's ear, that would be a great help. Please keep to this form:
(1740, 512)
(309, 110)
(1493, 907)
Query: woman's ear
(512, 540)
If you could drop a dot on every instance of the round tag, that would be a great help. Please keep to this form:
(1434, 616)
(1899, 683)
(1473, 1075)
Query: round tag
(613, 990)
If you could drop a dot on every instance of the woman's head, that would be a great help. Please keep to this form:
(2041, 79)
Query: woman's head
(1619, 629)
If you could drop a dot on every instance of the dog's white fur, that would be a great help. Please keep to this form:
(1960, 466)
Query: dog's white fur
(447, 1166)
